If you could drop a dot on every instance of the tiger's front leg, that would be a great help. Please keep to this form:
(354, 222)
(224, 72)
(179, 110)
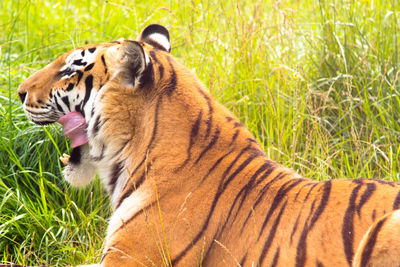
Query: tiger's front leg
(79, 169)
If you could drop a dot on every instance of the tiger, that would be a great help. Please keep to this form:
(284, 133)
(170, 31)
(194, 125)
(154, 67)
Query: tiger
(188, 183)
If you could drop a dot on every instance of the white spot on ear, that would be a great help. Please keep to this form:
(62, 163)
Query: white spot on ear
(161, 40)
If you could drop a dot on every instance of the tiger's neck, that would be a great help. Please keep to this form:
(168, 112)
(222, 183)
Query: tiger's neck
(173, 141)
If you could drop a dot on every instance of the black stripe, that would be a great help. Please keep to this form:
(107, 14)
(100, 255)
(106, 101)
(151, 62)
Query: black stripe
(96, 125)
(132, 187)
(324, 202)
(133, 217)
(78, 109)
(300, 189)
(89, 67)
(279, 197)
(193, 134)
(244, 192)
(396, 202)
(348, 225)
(262, 192)
(58, 105)
(365, 196)
(301, 255)
(210, 145)
(66, 72)
(295, 227)
(210, 112)
(304, 201)
(136, 169)
(243, 260)
(319, 264)
(65, 99)
(235, 135)
(276, 258)
(267, 173)
(368, 248)
(78, 62)
(89, 87)
(271, 235)
(155, 44)
(252, 140)
(228, 119)
(160, 71)
(311, 188)
(173, 79)
(140, 181)
(268, 166)
(237, 124)
(160, 66)
(240, 169)
(91, 50)
(80, 74)
(70, 87)
(154, 133)
(104, 63)
(115, 173)
(384, 182)
(214, 166)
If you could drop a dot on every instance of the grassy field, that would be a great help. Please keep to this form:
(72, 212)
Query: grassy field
(317, 82)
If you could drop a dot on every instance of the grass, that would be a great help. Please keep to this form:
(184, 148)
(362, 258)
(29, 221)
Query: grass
(317, 82)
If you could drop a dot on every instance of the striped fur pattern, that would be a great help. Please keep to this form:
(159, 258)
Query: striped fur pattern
(188, 183)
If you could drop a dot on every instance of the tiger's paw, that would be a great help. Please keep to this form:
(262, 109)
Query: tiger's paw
(65, 158)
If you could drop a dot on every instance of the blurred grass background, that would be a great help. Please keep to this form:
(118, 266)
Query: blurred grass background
(317, 82)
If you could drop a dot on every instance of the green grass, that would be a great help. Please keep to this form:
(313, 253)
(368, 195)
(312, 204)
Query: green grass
(317, 82)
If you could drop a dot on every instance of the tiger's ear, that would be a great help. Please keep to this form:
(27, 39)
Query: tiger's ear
(157, 36)
(132, 64)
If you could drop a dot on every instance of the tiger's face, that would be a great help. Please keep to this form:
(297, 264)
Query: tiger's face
(72, 81)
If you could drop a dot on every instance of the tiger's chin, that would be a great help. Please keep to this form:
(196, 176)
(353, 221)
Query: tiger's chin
(79, 170)
(79, 176)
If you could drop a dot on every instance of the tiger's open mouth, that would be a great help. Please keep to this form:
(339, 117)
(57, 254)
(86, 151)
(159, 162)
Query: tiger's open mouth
(74, 128)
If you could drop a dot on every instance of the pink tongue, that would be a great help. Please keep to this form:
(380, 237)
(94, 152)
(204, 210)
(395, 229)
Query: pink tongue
(74, 126)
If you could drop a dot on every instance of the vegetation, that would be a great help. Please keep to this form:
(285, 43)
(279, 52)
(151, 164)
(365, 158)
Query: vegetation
(317, 82)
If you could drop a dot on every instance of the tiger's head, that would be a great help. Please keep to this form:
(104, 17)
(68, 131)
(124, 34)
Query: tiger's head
(73, 80)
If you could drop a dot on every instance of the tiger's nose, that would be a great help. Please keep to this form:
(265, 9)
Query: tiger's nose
(22, 96)
(22, 93)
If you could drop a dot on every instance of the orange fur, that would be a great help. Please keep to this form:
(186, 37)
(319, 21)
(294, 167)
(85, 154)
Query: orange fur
(199, 189)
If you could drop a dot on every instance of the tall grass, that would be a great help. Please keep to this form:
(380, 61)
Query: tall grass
(317, 82)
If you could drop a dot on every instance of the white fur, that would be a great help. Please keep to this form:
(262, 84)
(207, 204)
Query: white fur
(128, 208)
(82, 173)
(162, 40)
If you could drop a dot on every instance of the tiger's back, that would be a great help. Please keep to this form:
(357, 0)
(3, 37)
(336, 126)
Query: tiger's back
(188, 183)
